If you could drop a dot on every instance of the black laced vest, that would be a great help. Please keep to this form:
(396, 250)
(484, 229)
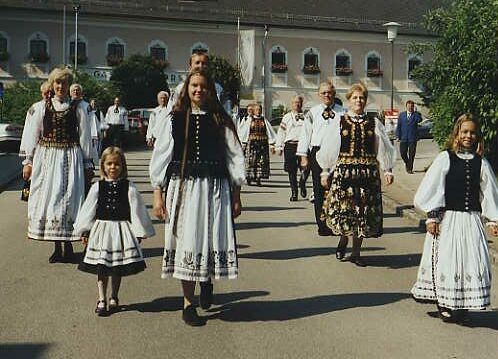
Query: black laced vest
(60, 128)
(113, 203)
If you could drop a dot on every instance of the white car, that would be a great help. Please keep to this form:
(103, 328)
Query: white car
(10, 136)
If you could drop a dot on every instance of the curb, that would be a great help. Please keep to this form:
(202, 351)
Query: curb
(409, 212)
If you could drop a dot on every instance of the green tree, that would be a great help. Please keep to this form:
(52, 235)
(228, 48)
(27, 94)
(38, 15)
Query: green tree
(463, 74)
(226, 75)
(102, 91)
(138, 79)
(18, 98)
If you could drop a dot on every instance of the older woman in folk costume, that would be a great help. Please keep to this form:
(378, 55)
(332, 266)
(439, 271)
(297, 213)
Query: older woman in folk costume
(58, 155)
(357, 149)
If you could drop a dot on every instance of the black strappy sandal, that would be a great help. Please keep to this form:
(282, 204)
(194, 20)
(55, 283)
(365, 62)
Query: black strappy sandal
(101, 311)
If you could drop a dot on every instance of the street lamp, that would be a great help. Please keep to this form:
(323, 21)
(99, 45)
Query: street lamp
(265, 101)
(76, 8)
(392, 32)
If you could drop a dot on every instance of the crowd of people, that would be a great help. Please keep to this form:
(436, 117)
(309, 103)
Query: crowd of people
(200, 159)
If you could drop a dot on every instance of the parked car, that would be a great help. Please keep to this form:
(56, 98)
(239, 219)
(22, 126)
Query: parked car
(424, 129)
(138, 119)
(10, 136)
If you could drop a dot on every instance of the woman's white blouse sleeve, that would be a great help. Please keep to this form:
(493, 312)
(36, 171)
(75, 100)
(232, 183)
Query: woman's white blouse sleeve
(243, 128)
(430, 192)
(489, 192)
(161, 155)
(86, 215)
(331, 146)
(33, 128)
(84, 125)
(235, 158)
(386, 152)
(140, 221)
(270, 132)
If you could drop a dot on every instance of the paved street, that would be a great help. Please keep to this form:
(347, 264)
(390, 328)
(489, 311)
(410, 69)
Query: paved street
(293, 299)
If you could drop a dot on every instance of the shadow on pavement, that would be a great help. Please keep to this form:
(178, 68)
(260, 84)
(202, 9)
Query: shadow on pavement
(23, 350)
(393, 261)
(268, 208)
(260, 225)
(281, 310)
(298, 253)
(391, 230)
(171, 304)
(250, 192)
(482, 319)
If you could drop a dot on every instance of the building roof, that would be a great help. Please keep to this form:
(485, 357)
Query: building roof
(316, 14)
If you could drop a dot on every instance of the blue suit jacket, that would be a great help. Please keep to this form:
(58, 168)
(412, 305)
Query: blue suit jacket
(406, 130)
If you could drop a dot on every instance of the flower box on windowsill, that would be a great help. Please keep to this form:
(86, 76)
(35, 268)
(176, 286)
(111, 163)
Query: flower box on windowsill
(375, 73)
(4, 56)
(113, 60)
(82, 59)
(311, 69)
(343, 71)
(39, 58)
(279, 68)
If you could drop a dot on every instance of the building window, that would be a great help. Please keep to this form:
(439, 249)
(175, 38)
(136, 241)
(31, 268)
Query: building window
(413, 63)
(311, 61)
(343, 63)
(38, 48)
(373, 65)
(82, 56)
(4, 47)
(199, 47)
(278, 59)
(115, 52)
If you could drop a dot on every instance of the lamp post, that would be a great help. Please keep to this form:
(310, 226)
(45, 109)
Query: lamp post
(264, 73)
(76, 8)
(392, 32)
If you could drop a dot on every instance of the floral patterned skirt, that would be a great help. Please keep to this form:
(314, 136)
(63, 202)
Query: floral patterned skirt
(257, 155)
(353, 205)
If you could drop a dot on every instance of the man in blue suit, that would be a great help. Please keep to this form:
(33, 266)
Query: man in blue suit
(406, 132)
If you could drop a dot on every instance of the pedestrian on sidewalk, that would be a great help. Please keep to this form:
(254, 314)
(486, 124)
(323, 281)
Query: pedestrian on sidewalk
(157, 118)
(244, 124)
(116, 124)
(260, 140)
(288, 135)
(58, 156)
(406, 132)
(357, 145)
(458, 190)
(112, 223)
(316, 121)
(200, 152)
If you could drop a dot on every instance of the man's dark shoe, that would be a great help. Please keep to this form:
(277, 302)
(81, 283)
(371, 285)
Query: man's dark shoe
(190, 317)
(302, 187)
(206, 297)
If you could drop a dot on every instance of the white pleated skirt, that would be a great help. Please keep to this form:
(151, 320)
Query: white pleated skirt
(454, 271)
(204, 243)
(112, 249)
(57, 193)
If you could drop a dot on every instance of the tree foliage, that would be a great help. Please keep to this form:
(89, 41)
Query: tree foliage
(138, 79)
(102, 91)
(463, 74)
(18, 98)
(226, 75)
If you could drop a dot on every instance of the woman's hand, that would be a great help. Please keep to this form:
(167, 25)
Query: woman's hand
(158, 207)
(389, 177)
(324, 181)
(493, 230)
(84, 239)
(433, 228)
(26, 172)
(236, 203)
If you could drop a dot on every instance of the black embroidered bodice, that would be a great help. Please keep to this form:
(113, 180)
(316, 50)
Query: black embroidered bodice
(462, 184)
(357, 139)
(206, 151)
(113, 203)
(60, 128)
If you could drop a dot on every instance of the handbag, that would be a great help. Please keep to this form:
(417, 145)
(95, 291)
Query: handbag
(25, 191)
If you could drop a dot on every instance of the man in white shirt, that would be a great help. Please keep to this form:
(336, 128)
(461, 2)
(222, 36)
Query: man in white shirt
(288, 136)
(157, 116)
(317, 118)
(98, 118)
(116, 119)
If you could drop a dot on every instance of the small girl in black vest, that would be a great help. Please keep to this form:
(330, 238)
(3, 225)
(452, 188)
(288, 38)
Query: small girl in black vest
(198, 159)
(112, 222)
(458, 192)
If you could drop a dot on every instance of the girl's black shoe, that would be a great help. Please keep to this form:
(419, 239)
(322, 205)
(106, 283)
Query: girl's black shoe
(190, 317)
(113, 305)
(101, 309)
(340, 253)
(446, 314)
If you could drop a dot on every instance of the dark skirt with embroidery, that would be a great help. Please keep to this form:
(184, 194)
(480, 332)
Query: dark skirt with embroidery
(353, 205)
(257, 157)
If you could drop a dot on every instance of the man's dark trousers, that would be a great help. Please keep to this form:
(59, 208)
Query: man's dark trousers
(407, 151)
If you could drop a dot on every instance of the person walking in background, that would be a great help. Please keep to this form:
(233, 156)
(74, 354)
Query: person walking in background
(406, 132)
(317, 119)
(112, 222)
(243, 126)
(116, 124)
(98, 118)
(156, 119)
(458, 193)
(356, 149)
(288, 135)
(58, 158)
